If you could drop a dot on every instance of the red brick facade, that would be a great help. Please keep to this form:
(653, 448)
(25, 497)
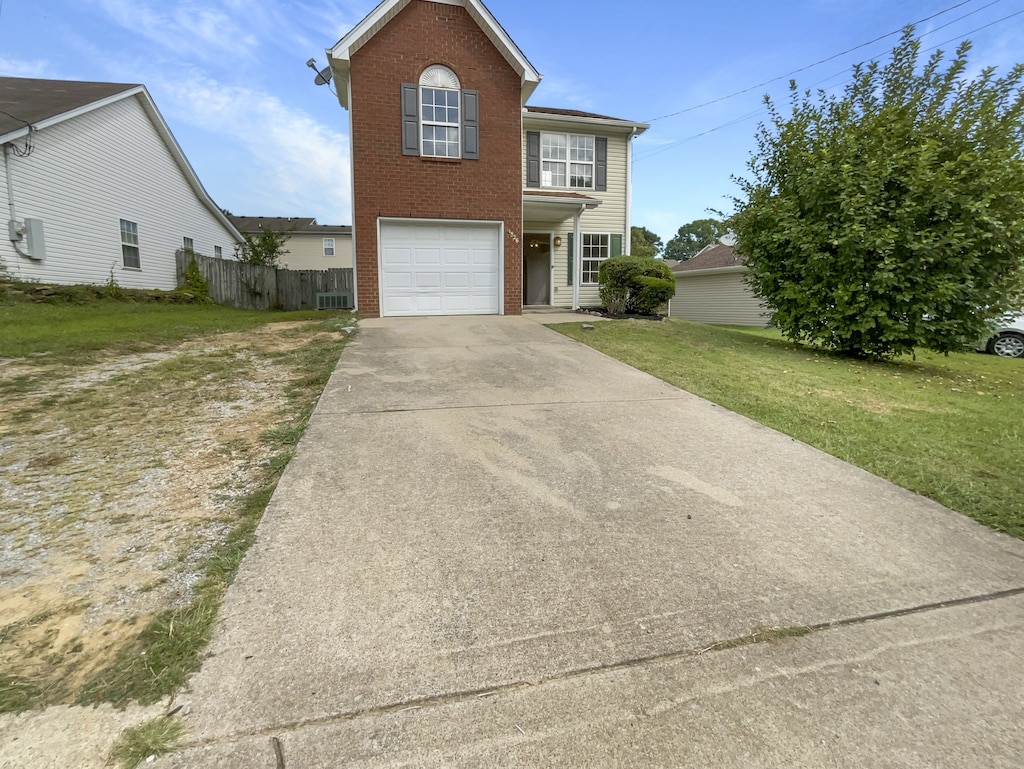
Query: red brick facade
(390, 184)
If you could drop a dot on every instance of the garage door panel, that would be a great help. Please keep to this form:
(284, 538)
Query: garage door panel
(440, 269)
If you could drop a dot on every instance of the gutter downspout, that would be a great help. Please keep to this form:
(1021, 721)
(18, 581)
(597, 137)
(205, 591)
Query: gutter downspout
(577, 261)
(352, 188)
(628, 235)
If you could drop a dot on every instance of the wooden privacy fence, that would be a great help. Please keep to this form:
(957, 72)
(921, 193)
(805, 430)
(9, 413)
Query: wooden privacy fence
(252, 287)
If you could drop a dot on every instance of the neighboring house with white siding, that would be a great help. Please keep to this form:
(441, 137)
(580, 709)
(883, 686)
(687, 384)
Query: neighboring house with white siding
(466, 200)
(310, 246)
(97, 187)
(710, 288)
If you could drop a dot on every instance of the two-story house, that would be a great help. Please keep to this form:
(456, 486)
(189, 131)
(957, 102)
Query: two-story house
(465, 200)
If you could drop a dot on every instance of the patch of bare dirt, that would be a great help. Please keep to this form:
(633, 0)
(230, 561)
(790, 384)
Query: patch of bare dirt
(116, 482)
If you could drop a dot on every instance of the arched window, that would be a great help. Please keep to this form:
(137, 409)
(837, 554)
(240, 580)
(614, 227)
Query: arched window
(440, 109)
(440, 119)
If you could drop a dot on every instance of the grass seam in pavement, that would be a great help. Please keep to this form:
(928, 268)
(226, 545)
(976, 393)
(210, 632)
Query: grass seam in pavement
(756, 636)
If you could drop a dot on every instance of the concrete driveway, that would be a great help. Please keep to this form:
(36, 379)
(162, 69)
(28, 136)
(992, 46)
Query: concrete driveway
(496, 547)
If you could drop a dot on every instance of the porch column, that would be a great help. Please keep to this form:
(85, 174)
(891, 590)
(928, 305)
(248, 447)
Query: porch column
(577, 259)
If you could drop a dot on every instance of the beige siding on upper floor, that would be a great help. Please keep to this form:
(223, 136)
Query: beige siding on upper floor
(306, 252)
(607, 218)
(86, 174)
(721, 298)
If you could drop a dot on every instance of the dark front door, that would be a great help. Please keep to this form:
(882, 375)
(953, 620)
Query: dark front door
(537, 269)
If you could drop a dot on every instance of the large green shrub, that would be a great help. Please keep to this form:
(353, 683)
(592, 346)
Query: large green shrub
(635, 284)
(889, 217)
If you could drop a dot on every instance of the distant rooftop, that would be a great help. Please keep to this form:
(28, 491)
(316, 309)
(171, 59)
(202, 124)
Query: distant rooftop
(571, 113)
(712, 257)
(296, 224)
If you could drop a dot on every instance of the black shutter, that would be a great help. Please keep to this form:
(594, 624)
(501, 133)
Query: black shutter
(572, 261)
(470, 125)
(410, 119)
(533, 158)
(601, 164)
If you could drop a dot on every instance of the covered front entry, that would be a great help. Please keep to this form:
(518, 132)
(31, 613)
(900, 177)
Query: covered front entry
(537, 269)
(431, 267)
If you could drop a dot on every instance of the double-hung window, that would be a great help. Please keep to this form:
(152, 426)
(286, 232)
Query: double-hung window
(569, 161)
(440, 118)
(328, 246)
(595, 249)
(130, 245)
(440, 113)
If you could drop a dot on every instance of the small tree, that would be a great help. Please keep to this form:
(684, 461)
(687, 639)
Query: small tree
(635, 284)
(643, 242)
(692, 238)
(890, 217)
(264, 248)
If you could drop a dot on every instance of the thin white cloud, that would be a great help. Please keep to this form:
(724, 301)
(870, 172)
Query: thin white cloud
(300, 163)
(19, 68)
(199, 29)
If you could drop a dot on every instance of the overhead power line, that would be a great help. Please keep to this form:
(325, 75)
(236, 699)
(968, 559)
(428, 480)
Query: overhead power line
(817, 63)
(761, 110)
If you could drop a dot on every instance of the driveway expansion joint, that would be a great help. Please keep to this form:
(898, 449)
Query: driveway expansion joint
(757, 636)
(482, 406)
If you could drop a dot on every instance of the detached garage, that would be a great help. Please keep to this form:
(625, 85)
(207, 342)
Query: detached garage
(710, 289)
(440, 267)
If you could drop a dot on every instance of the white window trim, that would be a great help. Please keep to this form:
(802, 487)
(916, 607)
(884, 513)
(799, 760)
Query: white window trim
(597, 260)
(569, 162)
(440, 78)
(218, 252)
(331, 247)
(188, 243)
(130, 244)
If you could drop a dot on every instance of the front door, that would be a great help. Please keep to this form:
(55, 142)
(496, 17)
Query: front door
(537, 269)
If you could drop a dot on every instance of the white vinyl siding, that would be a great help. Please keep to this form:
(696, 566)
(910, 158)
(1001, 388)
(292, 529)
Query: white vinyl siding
(87, 173)
(721, 298)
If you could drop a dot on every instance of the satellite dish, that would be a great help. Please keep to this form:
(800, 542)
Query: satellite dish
(323, 76)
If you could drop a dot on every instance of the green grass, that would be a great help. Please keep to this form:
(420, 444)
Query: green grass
(949, 428)
(153, 738)
(66, 331)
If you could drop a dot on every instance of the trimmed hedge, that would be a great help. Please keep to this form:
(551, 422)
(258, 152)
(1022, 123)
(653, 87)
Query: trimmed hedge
(635, 284)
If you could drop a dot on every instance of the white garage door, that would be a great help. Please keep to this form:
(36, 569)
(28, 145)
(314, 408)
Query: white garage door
(431, 268)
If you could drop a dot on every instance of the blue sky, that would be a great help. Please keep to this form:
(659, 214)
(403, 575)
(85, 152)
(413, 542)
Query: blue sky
(230, 78)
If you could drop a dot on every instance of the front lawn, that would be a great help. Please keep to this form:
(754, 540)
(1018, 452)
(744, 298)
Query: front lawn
(950, 428)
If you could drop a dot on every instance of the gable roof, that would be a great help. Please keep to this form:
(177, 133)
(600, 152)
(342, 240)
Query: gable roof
(339, 57)
(297, 225)
(28, 101)
(31, 104)
(716, 257)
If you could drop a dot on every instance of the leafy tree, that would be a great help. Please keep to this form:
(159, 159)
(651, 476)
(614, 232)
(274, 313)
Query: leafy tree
(264, 248)
(890, 217)
(643, 242)
(694, 237)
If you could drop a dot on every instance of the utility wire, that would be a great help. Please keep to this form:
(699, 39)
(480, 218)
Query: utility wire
(761, 110)
(815, 64)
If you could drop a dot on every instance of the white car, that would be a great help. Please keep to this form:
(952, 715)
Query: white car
(1009, 338)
